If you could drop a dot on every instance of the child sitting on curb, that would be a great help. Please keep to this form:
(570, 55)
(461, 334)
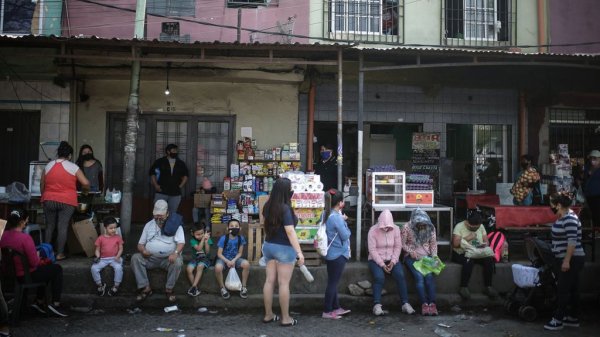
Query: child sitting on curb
(109, 247)
(200, 243)
(229, 255)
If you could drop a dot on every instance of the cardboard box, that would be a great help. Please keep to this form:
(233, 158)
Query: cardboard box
(202, 200)
(85, 235)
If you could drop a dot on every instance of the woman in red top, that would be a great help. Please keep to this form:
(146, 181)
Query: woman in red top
(59, 195)
(15, 239)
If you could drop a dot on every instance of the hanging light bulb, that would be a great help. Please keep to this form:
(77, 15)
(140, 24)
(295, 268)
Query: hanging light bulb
(167, 91)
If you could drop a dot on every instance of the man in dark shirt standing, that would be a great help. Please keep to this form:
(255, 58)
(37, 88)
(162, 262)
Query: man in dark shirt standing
(326, 167)
(169, 175)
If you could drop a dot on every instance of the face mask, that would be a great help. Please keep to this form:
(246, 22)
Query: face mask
(524, 165)
(87, 156)
(473, 229)
(554, 209)
(173, 155)
(234, 231)
(160, 222)
(326, 154)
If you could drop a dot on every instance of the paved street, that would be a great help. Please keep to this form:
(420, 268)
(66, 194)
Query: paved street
(223, 323)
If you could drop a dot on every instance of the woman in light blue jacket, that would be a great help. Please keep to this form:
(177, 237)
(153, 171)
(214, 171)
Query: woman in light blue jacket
(338, 236)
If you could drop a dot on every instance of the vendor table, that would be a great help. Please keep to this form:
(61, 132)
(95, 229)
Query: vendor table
(442, 241)
(470, 200)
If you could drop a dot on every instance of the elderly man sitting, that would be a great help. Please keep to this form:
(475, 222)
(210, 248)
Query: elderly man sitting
(160, 246)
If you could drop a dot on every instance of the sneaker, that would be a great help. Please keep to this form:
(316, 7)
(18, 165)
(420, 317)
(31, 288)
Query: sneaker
(572, 322)
(464, 293)
(101, 289)
(491, 292)
(330, 315)
(554, 324)
(433, 309)
(341, 312)
(55, 310)
(407, 308)
(113, 291)
(425, 309)
(192, 291)
(244, 292)
(38, 308)
(225, 293)
(378, 310)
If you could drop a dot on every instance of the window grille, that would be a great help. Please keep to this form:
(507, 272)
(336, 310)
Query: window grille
(247, 3)
(175, 8)
(212, 153)
(171, 132)
(16, 16)
(578, 128)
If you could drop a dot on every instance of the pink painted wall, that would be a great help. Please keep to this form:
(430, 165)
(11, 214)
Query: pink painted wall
(573, 22)
(90, 19)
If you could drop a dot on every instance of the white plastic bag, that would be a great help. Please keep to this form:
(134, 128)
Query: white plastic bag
(233, 282)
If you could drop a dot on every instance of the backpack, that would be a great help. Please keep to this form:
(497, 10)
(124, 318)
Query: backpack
(497, 241)
(172, 224)
(46, 251)
(321, 242)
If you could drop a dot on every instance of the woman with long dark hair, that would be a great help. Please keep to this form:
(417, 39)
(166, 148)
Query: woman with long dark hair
(91, 167)
(59, 195)
(15, 239)
(281, 248)
(569, 259)
(338, 236)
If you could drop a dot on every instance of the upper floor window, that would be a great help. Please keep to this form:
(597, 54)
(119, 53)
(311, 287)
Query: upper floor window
(248, 3)
(16, 16)
(478, 22)
(171, 7)
(365, 20)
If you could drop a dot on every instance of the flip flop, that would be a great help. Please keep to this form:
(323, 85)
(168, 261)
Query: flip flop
(170, 296)
(274, 319)
(292, 323)
(142, 295)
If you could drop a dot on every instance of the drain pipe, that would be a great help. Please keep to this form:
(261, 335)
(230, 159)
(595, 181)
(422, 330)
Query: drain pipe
(541, 26)
(310, 132)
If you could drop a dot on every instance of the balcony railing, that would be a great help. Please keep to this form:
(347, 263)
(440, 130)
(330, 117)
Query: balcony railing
(377, 21)
(479, 23)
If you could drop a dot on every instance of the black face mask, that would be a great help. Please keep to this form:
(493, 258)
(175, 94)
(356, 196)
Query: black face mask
(173, 155)
(554, 209)
(524, 165)
(473, 229)
(234, 231)
(87, 156)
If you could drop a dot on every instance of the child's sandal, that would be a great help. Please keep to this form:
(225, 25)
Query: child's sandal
(113, 291)
(142, 295)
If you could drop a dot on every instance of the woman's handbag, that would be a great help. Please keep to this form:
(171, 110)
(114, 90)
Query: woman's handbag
(475, 253)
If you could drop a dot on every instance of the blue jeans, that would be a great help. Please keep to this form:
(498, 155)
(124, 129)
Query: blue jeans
(281, 253)
(172, 200)
(422, 282)
(379, 279)
(201, 213)
(335, 268)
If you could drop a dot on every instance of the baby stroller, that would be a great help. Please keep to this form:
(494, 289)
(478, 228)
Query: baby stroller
(536, 284)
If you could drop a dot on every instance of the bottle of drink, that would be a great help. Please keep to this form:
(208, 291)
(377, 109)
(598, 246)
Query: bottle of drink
(505, 251)
(307, 275)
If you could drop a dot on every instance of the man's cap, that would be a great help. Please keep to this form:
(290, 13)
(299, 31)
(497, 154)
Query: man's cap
(160, 207)
(595, 154)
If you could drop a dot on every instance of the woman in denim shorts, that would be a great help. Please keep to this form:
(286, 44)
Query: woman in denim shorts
(280, 250)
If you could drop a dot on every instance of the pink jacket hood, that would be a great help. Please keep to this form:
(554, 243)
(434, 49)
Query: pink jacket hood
(384, 240)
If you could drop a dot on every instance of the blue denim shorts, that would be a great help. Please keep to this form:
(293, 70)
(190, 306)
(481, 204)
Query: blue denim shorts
(238, 263)
(281, 253)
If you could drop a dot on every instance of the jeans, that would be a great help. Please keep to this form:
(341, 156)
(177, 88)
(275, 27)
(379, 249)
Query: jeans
(58, 215)
(172, 200)
(105, 261)
(422, 282)
(379, 279)
(140, 264)
(53, 274)
(281, 253)
(568, 287)
(3, 310)
(335, 268)
(467, 268)
(201, 213)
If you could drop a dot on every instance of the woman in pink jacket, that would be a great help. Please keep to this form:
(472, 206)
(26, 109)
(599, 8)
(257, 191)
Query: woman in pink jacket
(385, 245)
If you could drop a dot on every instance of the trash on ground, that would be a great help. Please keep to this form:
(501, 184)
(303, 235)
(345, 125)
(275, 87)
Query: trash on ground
(213, 312)
(456, 308)
(444, 325)
(203, 309)
(461, 317)
(171, 308)
(163, 329)
(443, 333)
(135, 310)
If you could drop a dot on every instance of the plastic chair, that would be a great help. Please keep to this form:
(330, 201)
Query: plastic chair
(20, 284)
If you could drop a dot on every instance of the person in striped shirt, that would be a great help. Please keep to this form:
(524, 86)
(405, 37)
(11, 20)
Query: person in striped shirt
(569, 261)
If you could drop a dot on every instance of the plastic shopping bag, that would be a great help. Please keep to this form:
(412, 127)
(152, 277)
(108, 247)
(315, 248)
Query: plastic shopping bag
(233, 282)
(429, 264)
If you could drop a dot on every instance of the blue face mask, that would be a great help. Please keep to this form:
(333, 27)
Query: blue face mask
(326, 154)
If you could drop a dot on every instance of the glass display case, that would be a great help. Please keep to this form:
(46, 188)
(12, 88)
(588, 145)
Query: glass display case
(386, 188)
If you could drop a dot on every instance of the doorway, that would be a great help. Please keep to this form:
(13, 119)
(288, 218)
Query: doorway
(20, 127)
